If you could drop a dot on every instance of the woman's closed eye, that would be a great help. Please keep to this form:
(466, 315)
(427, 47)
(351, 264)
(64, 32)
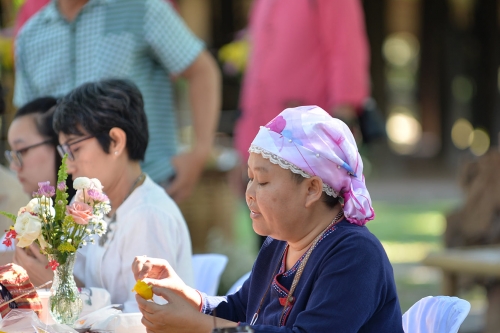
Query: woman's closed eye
(260, 184)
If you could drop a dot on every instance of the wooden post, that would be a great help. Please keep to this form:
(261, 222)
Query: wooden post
(450, 284)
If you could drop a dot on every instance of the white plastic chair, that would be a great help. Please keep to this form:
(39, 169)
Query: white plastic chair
(237, 285)
(207, 269)
(439, 314)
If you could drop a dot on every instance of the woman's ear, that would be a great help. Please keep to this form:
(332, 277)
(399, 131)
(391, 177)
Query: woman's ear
(118, 142)
(314, 190)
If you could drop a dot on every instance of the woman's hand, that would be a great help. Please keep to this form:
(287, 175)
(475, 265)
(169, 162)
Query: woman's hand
(158, 272)
(151, 268)
(177, 316)
(34, 263)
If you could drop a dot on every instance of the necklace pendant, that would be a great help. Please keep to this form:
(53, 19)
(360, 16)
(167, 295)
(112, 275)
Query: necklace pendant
(254, 319)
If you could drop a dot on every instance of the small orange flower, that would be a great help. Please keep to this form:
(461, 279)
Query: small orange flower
(52, 264)
(143, 289)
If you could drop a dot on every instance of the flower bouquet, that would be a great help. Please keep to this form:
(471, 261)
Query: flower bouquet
(60, 230)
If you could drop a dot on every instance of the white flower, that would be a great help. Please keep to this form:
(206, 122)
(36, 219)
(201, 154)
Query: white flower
(106, 208)
(84, 242)
(82, 183)
(30, 207)
(28, 228)
(96, 184)
(42, 242)
(41, 206)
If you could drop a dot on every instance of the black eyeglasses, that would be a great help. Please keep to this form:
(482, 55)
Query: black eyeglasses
(16, 156)
(65, 148)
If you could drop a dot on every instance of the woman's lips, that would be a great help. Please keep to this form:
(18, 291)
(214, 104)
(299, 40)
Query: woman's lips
(254, 214)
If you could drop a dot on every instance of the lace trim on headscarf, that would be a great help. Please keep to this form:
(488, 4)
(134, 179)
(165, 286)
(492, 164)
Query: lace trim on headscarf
(275, 159)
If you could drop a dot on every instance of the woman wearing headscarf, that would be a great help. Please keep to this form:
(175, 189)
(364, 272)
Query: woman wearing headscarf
(320, 269)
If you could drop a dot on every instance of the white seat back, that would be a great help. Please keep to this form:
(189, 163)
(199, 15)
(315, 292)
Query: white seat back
(237, 285)
(207, 270)
(439, 314)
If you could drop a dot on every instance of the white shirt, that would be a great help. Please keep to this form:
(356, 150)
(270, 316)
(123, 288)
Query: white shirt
(12, 198)
(147, 223)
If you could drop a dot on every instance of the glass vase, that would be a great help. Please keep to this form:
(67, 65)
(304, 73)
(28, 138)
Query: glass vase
(65, 304)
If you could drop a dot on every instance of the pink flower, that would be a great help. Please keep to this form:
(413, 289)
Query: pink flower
(81, 212)
(61, 186)
(44, 189)
(9, 236)
(97, 195)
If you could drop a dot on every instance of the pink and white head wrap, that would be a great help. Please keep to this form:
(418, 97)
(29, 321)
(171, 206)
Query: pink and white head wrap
(308, 141)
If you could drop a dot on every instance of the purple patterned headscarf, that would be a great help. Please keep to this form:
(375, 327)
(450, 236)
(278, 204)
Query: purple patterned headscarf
(308, 141)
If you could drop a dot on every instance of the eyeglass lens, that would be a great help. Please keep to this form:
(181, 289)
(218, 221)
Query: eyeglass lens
(14, 157)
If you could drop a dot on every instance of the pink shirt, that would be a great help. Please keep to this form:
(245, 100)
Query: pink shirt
(304, 52)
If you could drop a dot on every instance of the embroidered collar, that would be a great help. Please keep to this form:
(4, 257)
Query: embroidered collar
(294, 268)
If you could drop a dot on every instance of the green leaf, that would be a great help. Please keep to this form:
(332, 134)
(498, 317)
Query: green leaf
(61, 196)
(9, 215)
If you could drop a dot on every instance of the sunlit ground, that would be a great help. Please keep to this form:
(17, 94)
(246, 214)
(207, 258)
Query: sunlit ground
(408, 233)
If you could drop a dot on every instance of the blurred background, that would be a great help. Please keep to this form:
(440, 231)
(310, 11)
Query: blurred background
(435, 80)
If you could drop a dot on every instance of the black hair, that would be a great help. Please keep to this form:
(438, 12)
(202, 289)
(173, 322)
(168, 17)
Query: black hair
(97, 107)
(42, 109)
(330, 201)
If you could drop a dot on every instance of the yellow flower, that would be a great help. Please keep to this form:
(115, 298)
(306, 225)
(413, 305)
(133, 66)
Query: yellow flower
(143, 289)
(6, 52)
(66, 247)
(235, 53)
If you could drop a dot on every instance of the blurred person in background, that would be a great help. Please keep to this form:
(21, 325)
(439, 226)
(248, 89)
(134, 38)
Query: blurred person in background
(11, 192)
(303, 52)
(70, 42)
(33, 155)
(31, 7)
(33, 141)
(103, 129)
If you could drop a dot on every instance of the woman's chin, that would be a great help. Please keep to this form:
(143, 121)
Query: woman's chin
(28, 188)
(258, 229)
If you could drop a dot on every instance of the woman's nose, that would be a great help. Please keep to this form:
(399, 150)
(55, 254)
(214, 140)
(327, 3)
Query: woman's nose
(249, 193)
(14, 166)
(70, 167)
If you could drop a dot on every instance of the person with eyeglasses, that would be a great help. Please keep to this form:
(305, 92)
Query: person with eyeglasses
(33, 155)
(103, 130)
(12, 195)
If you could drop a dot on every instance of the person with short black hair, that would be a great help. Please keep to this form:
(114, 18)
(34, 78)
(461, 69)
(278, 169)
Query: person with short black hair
(103, 130)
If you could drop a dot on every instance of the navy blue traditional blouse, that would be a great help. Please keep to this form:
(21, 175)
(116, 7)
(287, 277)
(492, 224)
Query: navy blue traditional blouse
(347, 286)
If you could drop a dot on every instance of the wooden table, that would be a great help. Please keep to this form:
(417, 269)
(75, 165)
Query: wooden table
(478, 261)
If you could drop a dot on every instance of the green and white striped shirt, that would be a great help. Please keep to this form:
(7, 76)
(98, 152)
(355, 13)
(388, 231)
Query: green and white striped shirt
(142, 40)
